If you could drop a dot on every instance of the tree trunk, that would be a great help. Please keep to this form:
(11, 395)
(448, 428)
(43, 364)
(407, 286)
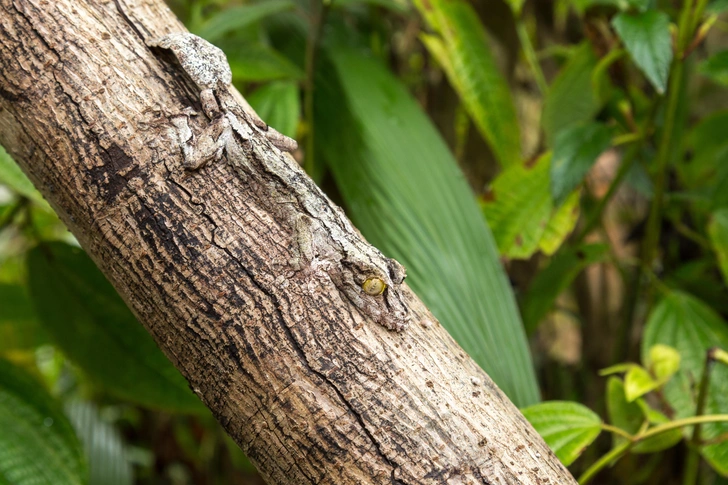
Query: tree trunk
(310, 387)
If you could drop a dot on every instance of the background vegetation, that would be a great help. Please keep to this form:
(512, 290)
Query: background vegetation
(553, 174)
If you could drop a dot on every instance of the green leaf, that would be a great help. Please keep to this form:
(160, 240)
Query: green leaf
(108, 459)
(465, 55)
(716, 68)
(241, 16)
(687, 324)
(663, 361)
(278, 104)
(15, 179)
(638, 382)
(550, 282)
(519, 209)
(19, 328)
(622, 413)
(718, 233)
(404, 191)
(88, 320)
(571, 98)
(256, 62)
(631, 415)
(617, 369)
(717, 6)
(560, 224)
(647, 39)
(708, 147)
(37, 444)
(567, 427)
(575, 151)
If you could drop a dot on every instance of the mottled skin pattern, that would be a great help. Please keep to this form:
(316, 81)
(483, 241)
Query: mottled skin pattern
(324, 242)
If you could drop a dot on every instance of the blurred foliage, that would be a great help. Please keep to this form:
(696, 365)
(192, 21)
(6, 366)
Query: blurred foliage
(568, 157)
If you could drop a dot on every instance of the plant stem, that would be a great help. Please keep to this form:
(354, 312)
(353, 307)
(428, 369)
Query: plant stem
(652, 237)
(679, 423)
(531, 57)
(617, 452)
(616, 430)
(692, 461)
(605, 460)
(319, 9)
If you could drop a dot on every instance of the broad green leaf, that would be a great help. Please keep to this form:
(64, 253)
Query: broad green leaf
(567, 427)
(631, 415)
(37, 444)
(465, 55)
(241, 16)
(277, 103)
(404, 191)
(519, 208)
(663, 361)
(19, 328)
(256, 62)
(15, 179)
(716, 67)
(638, 382)
(108, 460)
(88, 320)
(571, 98)
(575, 151)
(687, 324)
(550, 282)
(718, 232)
(560, 224)
(647, 39)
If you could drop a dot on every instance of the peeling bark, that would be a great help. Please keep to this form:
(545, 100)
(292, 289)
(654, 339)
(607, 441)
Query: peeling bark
(306, 383)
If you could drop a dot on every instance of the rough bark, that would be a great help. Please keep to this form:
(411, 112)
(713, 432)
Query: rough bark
(307, 384)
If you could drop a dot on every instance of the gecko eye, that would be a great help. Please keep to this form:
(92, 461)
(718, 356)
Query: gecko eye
(374, 286)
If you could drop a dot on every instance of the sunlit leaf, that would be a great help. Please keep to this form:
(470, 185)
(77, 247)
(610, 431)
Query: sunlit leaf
(638, 382)
(241, 16)
(278, 104)
(465, 55)
(88, 320)
(519, 208)
(555, 278)
(663, 361)
(687, 324)
(560, 224)
(647, 39)
(37, 444)
(567, 427)
(575, 151)
(15, 179)
(404, 191)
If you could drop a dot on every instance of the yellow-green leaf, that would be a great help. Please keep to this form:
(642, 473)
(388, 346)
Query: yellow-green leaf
(718, 232)
(464, 53)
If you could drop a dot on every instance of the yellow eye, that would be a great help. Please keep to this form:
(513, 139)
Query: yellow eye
(374, 286)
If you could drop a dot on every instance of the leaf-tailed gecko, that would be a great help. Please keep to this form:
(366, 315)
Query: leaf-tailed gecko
(324, 241)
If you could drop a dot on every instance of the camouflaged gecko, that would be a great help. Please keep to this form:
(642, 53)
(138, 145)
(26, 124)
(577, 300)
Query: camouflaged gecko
(324, 241)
